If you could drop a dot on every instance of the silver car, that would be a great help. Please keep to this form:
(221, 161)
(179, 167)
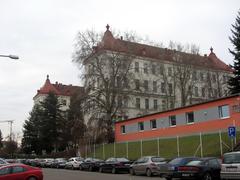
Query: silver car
(148, 165)
(231, 166)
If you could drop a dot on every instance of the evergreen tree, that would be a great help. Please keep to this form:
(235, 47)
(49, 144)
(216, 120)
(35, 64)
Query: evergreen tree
(1, 145)
(52, 122)
(31, 132)
(75, 123)
(234, 82)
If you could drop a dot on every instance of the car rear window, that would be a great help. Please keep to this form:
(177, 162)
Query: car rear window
(157, 159)
(180, 161)
(194, 163)
(231, 158)
(122, 159)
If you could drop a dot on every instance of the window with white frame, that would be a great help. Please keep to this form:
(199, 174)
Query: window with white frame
(123, 129)
(153, 69)
(146, 103)
(138, 103)
(141, 126)
(153, 124)
(137, 84)
(136, 66)
(146, 85)
(223, 111)
(190, 117)
(196, 91)
(145, 68)
(155, 104)
(172, 120)
(154, 86)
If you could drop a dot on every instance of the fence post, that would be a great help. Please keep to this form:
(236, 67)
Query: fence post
(158, 146)
(114, 149)
(201, 147)
(86, 151)
(220, 139)
(127, 148)
(94, 150)
(178, 146)
(141, 146)
(103, 151)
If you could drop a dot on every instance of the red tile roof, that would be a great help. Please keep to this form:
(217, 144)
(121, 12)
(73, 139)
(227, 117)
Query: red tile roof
(59, 89)
(143, 50)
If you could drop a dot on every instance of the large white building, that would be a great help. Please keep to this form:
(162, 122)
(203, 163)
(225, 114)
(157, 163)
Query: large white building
(159, 78)
(63, 92)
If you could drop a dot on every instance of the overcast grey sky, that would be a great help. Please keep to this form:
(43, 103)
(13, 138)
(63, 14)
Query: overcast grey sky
(42, 33)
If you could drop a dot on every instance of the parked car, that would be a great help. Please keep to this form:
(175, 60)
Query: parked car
(74, 162)
(204, 169)
(20, 171)
(115, 165)
(11, 160)
(3, 162)
(148, 165)
(231, 166)
(35, 162)
(59, 163)
(46, 162)
(170, 169)
(90, 164)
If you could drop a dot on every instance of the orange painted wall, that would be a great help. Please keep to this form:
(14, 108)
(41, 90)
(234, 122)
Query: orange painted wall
(207, 126)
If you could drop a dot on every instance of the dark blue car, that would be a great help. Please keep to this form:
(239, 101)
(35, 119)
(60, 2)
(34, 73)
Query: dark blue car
(204, 169)
(170, 170)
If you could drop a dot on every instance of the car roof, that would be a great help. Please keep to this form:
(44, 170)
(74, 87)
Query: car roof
(235, 152)
(12, 164)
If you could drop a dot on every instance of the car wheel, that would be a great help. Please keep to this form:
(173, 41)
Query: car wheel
(90, 168)
(149, 173)
(32, 178)
(72, 167)
(80, 168)
(114, 171)
(57, 167)
(132, 172)
(207, 176)
(100, 169)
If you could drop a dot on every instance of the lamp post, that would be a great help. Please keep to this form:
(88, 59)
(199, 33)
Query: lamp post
(10, 56)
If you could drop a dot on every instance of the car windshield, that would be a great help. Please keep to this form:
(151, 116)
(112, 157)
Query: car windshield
(2, 161)
(79, 159)
(231, 158)
(194, 163)
(157, 159)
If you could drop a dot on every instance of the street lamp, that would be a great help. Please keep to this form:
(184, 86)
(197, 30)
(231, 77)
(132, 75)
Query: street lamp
(10, 56)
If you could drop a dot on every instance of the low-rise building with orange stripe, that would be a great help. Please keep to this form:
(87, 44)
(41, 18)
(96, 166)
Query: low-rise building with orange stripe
(206, 117)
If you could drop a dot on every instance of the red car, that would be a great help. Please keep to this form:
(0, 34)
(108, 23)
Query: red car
(20, 172)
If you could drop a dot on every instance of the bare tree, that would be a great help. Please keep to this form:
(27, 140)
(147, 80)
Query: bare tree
(105, 75)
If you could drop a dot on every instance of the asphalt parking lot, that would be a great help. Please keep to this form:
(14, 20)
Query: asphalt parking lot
(63, 174)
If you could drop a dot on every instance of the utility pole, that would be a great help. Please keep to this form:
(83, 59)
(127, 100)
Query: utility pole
(10, 122)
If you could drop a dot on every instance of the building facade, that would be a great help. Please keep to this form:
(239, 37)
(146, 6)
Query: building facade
(158, 79)
(206, 117)
(63, 92)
